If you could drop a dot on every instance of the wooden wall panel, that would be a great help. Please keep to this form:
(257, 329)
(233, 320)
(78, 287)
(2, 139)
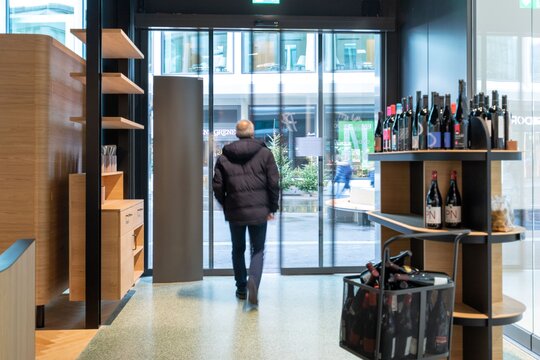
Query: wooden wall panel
(17, 310)
(395, 187)
(39, 148)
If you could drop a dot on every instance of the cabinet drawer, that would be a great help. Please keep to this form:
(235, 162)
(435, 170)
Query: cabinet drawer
(127, 220)
(138, 215)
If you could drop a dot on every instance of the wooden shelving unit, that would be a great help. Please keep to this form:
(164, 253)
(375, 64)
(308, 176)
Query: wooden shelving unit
(122, 233)
(481, 307)
(111, 122)
(115, 44)
(113, 83)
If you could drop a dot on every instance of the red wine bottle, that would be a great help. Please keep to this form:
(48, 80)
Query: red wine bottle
(497, 122)
(390, 126)
(402, 125)
(405, 346)
(370, 325)
(385, 128)
(447, 123)
(421, 279)
(434, 124)
(389, 328)
(461, 122)
(395, 128)
(452, 210)
(423, 123)
(409, 119)
(433, 218)
(378, 133)
(439, 327)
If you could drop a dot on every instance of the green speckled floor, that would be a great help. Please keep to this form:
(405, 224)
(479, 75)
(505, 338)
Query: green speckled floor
(298, 318)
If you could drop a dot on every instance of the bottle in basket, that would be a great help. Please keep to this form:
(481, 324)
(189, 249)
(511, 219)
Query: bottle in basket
(370, 324)
(433, 217)
(438, 326)
(406, 341)
(389, 329)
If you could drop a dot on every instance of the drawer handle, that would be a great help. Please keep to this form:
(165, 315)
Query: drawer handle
(129, 215)
(140, 209)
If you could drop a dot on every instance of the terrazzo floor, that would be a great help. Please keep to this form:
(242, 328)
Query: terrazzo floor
(298, 318)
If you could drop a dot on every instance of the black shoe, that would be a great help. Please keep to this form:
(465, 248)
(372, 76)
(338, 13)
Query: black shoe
(252, 292)
(242, 295)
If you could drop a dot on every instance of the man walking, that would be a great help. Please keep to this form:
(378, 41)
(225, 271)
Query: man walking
(246, 184)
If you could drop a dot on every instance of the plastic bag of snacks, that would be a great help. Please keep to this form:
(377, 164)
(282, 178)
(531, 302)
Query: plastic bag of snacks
(502, 216)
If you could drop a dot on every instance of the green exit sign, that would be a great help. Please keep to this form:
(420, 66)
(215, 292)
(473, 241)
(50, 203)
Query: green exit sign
(529, 4)
(265, 1)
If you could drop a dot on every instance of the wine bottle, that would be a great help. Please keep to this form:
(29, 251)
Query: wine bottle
(506, 120)
(452, 210)
(373, 275)
(434, 204)
(408, 125)
(423, 124)
(389, 328)
(439, 327)
(378, 133)
(415, 143)
(405, 340)
(461, 122)
(402, 128)
(434, 124)
(395, 128)
(421, 279)
(446, 123)
(497, 123)
(390, 126)
(370, 324)
(385, 128)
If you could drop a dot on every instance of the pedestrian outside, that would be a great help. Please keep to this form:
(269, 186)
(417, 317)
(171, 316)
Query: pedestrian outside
(246, 184)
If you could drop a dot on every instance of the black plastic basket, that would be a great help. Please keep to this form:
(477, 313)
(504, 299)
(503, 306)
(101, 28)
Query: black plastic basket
(413, 323)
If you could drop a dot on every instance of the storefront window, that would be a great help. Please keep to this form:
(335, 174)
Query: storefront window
(351, 52)
(47, 18)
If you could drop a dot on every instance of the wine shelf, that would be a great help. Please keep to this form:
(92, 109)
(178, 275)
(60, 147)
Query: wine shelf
(412, 223)
(111, 122)
(113, 83)
(112, 173)
(505, 312)
(138, 250)
(447, 155)
(119, 205)
(115, 44)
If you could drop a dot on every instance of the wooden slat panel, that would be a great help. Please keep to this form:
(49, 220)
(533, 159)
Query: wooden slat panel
(395, 187)
(457, 343)
(497, 343)
(39, 148)
(17, 307)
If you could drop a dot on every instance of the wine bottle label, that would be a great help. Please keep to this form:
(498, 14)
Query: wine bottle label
(408, 346)
(459, 141)
(378, 144)
(393, 348)
(394, 303)
(415, 142)
(441, 340)
(394, 142)
(414, 346)
(488, 124)
(433, 215)
(434, 140)
(452, 214)
(447, 142)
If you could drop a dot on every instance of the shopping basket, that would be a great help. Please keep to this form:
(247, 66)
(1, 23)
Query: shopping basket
(413, 323)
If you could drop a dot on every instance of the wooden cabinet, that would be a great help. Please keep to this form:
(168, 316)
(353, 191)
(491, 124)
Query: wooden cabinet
(39, 148)
(122, 238)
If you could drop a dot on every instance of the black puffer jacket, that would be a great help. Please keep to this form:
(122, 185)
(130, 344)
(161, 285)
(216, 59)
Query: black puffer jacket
(246, 182)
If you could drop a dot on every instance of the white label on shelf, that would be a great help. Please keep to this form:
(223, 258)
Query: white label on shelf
(452, 214)
(439, 281)
(433, 215)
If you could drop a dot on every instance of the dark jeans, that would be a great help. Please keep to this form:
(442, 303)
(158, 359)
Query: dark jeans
(257, 237)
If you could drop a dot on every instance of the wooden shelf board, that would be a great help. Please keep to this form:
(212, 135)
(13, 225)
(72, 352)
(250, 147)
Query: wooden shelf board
(412, 223)
(464, 311)
(508, 308)
(113, 83)
(112, 173)
(112, 122)
(138, 250)
(442, 155)
(115, 44)
(118, 205)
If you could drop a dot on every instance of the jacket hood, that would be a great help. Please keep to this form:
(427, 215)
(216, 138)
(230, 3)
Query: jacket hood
(243, 150)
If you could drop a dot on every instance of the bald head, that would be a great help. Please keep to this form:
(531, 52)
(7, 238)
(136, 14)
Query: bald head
(245, 129)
